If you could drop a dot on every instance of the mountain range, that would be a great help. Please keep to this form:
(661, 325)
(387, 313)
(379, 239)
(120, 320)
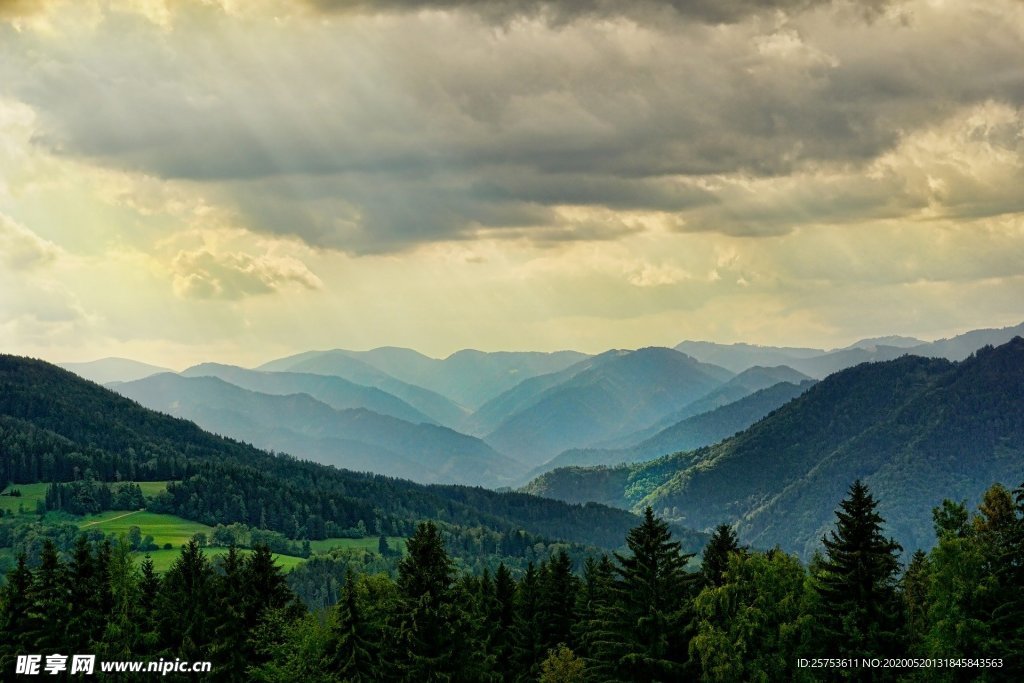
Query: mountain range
(107, 370)
(614, 394)
(55, 426)
(468, 377)
(497, 419)
(687, 434)
(819, 363)
(910, 428)
(353, 438)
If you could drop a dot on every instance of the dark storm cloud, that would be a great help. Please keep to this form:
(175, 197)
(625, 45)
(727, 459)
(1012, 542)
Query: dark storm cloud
(377, 134)
(561, 11)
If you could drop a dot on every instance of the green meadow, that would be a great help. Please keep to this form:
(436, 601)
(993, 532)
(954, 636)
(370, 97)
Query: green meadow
(369, 543)
(163, 528)
(163, 559)
(30, 493)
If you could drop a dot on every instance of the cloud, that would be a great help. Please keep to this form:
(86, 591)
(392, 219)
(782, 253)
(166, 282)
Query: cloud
(967, 167)
(202, 274)
(374, 134)
(562, 11)
(22, 249)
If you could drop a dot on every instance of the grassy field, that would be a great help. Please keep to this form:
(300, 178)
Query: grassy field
(30, 493)
(151, 488)
(395, 542)
(163, 528)
(163, 559)
(166, 528)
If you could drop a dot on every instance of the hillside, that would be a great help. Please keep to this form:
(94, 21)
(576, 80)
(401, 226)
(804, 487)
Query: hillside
(356, 439)
(688, 434)
(915, 429)
(615, 395)
(54, 426)
(739, 387)
(525, 394)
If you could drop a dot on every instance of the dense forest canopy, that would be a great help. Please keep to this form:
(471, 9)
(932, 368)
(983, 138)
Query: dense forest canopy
(954, 614)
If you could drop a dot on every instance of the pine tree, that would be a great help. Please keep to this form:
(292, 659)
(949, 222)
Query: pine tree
(149, 592)
(1008, 616)
(557, 602)
(14, 606)
(644, 634)
(857, 583)
(715, 562)
(501, 620)
(354, 655)
(123, 627)
(478, 605)
(265, 586)
(914, 587)
(592, 604)
(432, 644)
(974, 604)
(231, 647)
(528, 651)
(186, 594)
(50, 605)
(87, 620)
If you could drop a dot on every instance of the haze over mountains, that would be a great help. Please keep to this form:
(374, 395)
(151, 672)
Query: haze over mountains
(353, 438)
(107, 370)
(342, 364)
(689, 433)
(615, 394)
(496, 419)
(913, 429)
(467, 377)
(54, 425)
(819, 363)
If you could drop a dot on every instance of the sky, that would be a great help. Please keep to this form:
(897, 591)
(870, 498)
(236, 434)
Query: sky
(236, 180)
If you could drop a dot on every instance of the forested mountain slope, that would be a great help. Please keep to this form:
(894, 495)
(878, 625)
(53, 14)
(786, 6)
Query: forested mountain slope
(744, 384)
(689, 434)
(916, 429)
(55, 426)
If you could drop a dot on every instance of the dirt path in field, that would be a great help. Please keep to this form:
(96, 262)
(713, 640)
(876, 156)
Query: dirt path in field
(104, 521)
